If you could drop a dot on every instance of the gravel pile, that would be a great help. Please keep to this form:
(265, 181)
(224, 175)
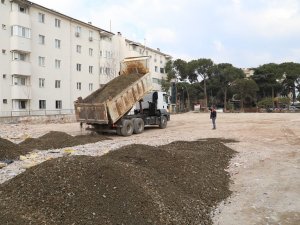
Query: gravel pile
(176, 183)
(112, 88)
(55, 140)
(51, 140)
(9, 150)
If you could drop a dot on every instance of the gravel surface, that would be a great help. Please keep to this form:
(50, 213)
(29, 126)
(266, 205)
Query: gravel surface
(178, 183)
(265, 172)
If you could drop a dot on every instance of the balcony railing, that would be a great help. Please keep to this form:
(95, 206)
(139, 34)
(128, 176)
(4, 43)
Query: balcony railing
(21, 68)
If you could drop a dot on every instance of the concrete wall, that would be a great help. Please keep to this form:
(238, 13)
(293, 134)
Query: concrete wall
(39, 119)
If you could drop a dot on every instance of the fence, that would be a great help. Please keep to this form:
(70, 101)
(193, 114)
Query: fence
(21, 113)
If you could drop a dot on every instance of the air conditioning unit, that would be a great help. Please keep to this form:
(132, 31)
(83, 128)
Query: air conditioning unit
(77, 34)
(90, 38)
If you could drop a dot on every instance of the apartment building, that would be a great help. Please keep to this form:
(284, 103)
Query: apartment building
(157, 59)
(48, 59)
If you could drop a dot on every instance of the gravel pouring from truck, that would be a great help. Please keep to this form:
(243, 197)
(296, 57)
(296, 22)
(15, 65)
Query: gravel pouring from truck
(107, 108)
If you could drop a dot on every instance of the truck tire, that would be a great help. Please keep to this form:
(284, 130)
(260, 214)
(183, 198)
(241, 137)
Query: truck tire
(119, 131)
(138, 125)
(127, 128)
(163, 122)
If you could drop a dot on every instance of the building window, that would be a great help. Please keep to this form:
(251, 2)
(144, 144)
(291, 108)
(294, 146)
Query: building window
(4, 101)
(57, 43)
(42, 104)
(41, 18)
(107, 54)
(19, 56)
(58, 104)
(78, 48)
(78, 85)
(91, 86)
(41, 61)
(78, 67)
(156, 69)
(100, 53)
(57, 84)
(156, 81)
(90, 35)
(22, 9)
(41, 82)
(162, 70)
(20, 31)
(78, 31)
(2, 1)
(90, 51)
(19, 104)
(57, 23)
(41, 39)
(90, 69)
(22, 104)
(107, 71)
(3, 26)
(19, 80)
(57, 63)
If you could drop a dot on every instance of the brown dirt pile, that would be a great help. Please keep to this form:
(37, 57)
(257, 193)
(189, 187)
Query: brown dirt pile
(51, 140)
(134, 67)
(9, 150)
(178, 183)
(112, 88)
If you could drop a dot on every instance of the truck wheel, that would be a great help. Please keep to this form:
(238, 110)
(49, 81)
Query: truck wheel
(163, 122)
(138, 126)
(119, 131)
(127, 128)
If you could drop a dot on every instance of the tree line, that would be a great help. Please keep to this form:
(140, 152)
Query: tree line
(225, 85)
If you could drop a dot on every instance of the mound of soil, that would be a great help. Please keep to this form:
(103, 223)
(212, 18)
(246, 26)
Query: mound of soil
(112, 88)
(9, 150)
(178, 183)
(51, 140)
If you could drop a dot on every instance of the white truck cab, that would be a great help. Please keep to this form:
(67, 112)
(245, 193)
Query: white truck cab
(162, 100)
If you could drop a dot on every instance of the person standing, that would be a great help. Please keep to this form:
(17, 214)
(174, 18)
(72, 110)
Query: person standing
(213, 116)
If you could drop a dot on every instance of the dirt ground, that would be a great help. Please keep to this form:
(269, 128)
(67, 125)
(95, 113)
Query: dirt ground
(265, 173)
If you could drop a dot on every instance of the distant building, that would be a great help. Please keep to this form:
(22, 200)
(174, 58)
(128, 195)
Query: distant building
(49, 59)
(248, 72)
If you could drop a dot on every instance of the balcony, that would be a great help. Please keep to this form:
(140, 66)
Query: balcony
(20, 44)
(21, 68)
(19, 18)
(20, 92)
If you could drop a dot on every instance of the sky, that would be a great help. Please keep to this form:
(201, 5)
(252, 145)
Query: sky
(245, 33)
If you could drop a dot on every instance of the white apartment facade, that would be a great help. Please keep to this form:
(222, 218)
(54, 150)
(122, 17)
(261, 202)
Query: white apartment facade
(48, 59)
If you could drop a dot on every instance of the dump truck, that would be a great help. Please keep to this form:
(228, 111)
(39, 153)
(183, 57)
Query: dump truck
(127, 103)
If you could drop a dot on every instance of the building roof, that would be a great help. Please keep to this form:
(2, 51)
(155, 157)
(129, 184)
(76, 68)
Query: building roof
(151, 49)
(88, 24)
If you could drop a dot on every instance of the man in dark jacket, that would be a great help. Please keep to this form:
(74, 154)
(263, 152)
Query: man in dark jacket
(213, 116)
